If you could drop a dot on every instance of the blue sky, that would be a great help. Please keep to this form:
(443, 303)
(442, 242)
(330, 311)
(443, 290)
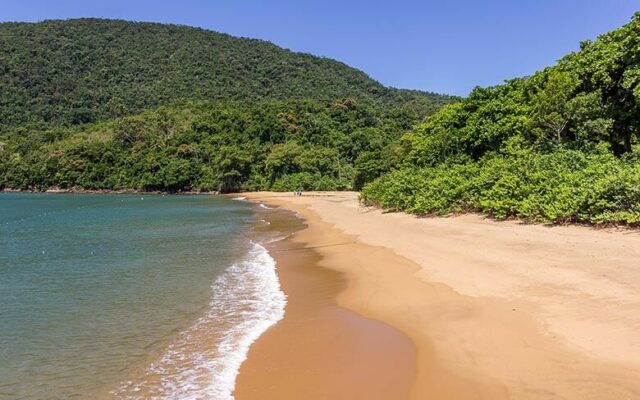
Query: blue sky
(442, 46)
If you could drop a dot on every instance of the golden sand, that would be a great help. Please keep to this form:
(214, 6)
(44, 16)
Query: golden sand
(321, 350)
(492, 309)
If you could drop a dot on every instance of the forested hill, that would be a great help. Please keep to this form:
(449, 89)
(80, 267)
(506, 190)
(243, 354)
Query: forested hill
(63, 73)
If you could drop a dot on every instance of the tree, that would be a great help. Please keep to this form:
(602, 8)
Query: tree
(611, 67)
(116, 107)
(283, 160)
(233, 165)
(551, 108)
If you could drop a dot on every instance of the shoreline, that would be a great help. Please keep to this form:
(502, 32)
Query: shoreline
(202, 359)
(104, 191)
(320, 349)
(481, 331)
(607, 227)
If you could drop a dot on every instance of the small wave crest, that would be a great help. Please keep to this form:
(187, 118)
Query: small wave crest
(247, 300)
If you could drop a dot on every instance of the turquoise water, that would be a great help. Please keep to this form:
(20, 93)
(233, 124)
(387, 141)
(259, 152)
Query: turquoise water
(95, 288)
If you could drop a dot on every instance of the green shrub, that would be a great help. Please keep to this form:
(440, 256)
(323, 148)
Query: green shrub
(307, 181)
(561, 186)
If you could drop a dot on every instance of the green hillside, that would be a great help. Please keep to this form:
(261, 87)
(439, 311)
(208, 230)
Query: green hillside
(70, 72)
(204, 146)
(557, 146)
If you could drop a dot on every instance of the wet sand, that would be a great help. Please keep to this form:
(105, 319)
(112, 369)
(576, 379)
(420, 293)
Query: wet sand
(493, 309)
(321, 350)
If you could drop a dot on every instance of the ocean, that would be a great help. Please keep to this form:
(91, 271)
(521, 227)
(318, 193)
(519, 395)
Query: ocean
(131, 296)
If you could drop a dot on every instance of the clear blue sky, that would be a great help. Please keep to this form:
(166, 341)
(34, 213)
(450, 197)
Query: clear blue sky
(443, 46)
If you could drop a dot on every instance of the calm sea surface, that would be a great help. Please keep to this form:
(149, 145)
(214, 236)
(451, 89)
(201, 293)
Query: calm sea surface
(129, 296)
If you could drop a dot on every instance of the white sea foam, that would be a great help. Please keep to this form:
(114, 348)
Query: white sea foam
(264, 206)
(247, 300)
(264, 308)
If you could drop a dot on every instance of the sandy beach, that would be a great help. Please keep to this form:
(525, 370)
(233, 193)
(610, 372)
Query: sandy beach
(321, 350)
(492, 309)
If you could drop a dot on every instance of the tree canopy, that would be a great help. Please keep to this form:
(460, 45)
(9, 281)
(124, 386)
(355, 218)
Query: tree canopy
(542, 147)
(205, 146)
(80, 71)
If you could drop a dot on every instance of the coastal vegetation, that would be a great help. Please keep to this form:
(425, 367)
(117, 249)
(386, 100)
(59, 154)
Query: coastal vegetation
(553, 147)
(116, 105)
(99, 104)
(208, 146)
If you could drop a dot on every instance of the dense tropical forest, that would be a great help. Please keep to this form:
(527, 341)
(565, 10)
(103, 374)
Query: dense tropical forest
(557, 146)
(103, 104)
(65, 73)
(99, 104)
(207, 146)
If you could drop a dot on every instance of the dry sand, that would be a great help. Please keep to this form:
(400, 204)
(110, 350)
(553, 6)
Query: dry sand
(494, 309)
